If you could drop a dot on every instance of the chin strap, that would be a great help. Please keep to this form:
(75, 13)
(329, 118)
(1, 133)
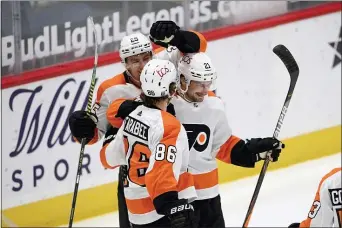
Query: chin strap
(134, 81)
(181, 93)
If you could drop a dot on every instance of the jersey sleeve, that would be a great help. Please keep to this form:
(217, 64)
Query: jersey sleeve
(103, 99)
(118, 110)
(113, 153)
(229, 148)
(100, 108)
(191, 42)
(166, 159)
(171, 54)
(223, 141)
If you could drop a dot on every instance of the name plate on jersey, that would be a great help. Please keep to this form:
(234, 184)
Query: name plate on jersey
(136, 128)
(336, 196)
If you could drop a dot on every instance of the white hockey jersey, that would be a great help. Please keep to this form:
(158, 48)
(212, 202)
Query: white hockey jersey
(154, 146)
(210, 137)
(119, 87)
(326, 210)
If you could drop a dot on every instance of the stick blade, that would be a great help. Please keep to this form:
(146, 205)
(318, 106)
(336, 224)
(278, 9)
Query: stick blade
(286, 57)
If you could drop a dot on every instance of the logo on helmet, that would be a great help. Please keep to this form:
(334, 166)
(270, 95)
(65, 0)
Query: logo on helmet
(134, 39)
(162, 71)
(151, 93)
(207, 66)
(186, 59)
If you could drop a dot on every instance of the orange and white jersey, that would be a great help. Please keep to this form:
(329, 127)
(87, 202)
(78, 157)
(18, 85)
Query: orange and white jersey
(210, 137)
(154, 146)
(326, 210)
(120, 87)
(108, 91)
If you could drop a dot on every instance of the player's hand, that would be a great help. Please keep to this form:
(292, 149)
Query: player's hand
(181, 214)
(82, 124)
(263, 147)
(164, 33)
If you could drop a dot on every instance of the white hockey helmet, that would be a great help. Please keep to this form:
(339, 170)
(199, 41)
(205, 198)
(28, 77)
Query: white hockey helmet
(196, 67)
(134, 44)
(156, 78)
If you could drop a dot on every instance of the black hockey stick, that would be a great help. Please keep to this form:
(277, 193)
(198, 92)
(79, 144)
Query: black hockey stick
(290, 63)
(83, 141)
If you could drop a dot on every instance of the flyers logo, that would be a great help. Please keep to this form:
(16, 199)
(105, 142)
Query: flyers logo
(198, 136)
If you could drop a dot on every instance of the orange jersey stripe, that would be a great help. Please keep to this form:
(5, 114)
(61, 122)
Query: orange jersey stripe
(140, 206)
(116, 80)
(112, 111)
(206, 180)
(103, 157)
(185, 181)
(307, 222)
(161, 178)
(226, 149)
(211, 94)
(160, 49)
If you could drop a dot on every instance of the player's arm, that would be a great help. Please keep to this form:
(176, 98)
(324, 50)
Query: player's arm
(232, 149)
(113, 152)
(119, 109)
(168, 33)
(161, 179)
(91, 126)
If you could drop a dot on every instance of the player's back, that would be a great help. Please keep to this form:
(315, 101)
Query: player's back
(201, 121)
(335, 192)
(326, 210)
(157, 157)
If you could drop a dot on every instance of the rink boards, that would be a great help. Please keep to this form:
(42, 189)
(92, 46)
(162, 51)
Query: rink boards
(39, 158)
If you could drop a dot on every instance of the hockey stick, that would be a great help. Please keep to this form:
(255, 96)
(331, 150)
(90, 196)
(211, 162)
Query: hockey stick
(290, 63)
(83, 141)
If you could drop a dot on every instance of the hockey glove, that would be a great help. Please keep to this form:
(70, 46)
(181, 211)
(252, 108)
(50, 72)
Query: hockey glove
(82, 125)
(165, 33)
(263, 147)
(181, 214)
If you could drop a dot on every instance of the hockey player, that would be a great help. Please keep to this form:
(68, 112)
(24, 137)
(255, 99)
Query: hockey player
(326, 210)
(154, 146)
(210, 136)
(135, 51)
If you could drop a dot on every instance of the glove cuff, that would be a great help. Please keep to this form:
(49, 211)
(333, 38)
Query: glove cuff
(181, 205)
